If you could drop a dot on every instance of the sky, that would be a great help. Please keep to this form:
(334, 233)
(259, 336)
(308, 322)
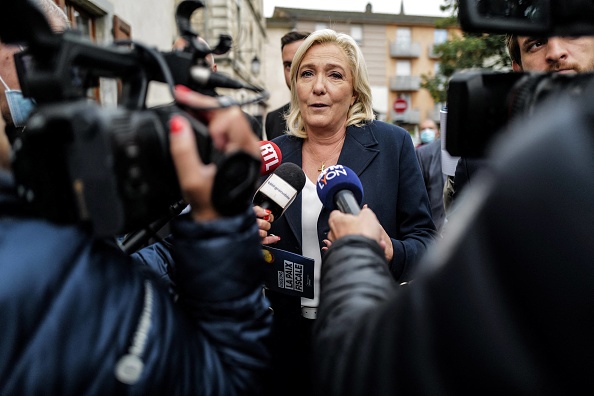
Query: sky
(411, 7)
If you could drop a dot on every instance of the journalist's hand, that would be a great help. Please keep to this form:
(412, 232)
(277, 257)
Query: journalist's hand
(264, 219)
(229, 130)
(365, 223)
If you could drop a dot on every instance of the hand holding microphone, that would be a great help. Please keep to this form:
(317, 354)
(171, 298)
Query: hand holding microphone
(339, 188)
(278, 191)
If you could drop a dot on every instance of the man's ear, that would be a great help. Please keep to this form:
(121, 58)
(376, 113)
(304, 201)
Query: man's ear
(516, 66)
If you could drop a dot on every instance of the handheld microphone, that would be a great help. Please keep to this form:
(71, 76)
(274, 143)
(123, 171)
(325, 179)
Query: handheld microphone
(339, 188)
(271, 157)
(280, 189)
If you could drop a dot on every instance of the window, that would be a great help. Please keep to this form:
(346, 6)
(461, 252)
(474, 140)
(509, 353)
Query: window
(357, 33)
(403, 37)
(440, 36)
(320, 26)
(81, 20)
(403, 68)
(121, 30)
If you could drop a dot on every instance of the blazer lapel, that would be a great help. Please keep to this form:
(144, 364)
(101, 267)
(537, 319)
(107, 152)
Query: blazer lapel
(359, 149)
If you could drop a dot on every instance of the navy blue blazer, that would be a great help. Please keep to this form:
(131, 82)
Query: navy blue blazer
(383, 157)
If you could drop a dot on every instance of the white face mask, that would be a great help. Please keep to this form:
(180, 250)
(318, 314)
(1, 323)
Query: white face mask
(20, 107)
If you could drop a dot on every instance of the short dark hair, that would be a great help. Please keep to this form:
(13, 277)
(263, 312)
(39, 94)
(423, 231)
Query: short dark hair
(513, 48)
(293, 36)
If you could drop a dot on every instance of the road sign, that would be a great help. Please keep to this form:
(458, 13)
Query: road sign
(400, 105)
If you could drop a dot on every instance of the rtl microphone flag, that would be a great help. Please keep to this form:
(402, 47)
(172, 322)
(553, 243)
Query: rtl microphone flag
(339, 188)
(271, 157)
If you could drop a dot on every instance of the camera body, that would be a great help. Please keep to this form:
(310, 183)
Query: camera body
(109, 169)
(482, 103)
(78, 162)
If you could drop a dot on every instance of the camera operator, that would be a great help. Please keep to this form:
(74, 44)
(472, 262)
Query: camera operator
(567, 55)
(81, 317)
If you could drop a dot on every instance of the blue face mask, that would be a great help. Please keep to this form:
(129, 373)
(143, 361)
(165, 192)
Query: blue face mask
(427, 135)
(19, 106)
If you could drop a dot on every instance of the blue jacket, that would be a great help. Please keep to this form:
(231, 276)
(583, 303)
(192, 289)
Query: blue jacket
(383, 157)
(77, 315)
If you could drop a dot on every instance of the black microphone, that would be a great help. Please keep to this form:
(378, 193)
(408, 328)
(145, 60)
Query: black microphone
(339, 188)
(280, 189)
(209, 79)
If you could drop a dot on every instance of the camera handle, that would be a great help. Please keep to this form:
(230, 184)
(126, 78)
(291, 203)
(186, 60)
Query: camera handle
(135, 240)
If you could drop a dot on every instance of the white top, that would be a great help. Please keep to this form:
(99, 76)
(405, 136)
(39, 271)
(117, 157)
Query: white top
(311, 206)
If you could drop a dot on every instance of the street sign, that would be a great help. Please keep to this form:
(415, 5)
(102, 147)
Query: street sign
(400, 105)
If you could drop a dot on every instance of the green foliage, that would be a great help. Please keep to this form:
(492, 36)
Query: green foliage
(486, 51)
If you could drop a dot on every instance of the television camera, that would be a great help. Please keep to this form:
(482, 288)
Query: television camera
(110, 168)
(482, 103)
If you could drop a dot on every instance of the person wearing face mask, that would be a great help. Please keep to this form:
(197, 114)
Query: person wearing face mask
(15, 107)
(429, 156)
(19, 107)
(427, 135)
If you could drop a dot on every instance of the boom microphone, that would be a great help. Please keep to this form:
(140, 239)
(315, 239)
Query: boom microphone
(280, 189)
(271, 157)
(339, 188)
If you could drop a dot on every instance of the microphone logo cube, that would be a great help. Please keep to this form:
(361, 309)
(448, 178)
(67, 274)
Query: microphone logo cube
(271, 157)
(330, 173)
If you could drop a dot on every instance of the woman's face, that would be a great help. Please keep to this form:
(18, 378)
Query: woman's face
(324, 88)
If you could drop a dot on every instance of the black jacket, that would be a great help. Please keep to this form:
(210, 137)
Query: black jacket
(275, 122)
(503, 305)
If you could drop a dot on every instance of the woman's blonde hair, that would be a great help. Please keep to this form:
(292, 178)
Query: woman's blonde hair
(361, 111)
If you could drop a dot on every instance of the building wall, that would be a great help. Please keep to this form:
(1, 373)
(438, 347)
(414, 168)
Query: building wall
(421, 101)
(153, 23)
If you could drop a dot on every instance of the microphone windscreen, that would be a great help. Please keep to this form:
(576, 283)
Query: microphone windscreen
(271, 157)
(338, 178)
(292, 174)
